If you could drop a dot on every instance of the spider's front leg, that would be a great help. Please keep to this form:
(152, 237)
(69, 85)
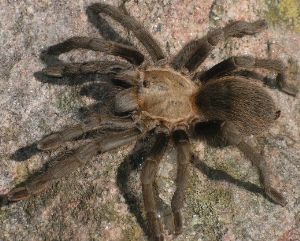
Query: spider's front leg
(69, 164)
(129, 53)
(131, 24)
(233, 136)
(196, 51)
(92, 67)
(148, 177)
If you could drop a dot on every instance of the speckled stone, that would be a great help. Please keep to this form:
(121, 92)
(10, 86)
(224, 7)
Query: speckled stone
(88, 205)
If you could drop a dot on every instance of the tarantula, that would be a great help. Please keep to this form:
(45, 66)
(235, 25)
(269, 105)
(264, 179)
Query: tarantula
(170, 98)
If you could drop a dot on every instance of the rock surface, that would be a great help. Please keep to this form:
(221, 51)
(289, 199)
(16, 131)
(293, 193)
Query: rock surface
(223, 202)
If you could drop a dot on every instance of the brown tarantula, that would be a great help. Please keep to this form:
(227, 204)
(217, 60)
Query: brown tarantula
(171, 99)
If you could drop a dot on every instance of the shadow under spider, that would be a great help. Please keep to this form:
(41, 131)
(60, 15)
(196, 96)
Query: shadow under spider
(102, 92)
(136, 158)
(220, 175)
(130, 164)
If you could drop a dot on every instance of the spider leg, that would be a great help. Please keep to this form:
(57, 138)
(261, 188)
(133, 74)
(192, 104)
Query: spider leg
(93, 67)
(56, 139)
(109, 47)
(196, 51)
(147, 178)
(183, 157)
(235, 63)
(233, 136)
(132, 24)
(71, 163)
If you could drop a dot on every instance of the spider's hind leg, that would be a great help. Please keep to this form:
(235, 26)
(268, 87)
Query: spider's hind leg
(234, 137)
(148, 178)
(183, 157)
(69, 164)
(56, 139)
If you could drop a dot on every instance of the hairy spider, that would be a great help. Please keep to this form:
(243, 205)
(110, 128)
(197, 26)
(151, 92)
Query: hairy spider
(171, 99)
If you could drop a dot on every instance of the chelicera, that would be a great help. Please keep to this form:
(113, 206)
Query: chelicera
(171, 98)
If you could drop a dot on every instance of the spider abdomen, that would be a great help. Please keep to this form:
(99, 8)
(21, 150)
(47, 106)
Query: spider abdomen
(240, 101)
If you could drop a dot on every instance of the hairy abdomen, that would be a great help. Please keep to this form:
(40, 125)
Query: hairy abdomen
(240, 101)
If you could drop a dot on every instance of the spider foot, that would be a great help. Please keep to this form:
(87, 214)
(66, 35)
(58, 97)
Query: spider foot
(155, 227)
(280, 82)
(241, 28)
(275, 196)
(177, 223)
(17, 194)
(54, 71)
(290, 90)
(259, 25)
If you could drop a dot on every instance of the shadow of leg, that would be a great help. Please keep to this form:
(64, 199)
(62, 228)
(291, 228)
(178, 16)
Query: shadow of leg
(219, 175)
(25, 153)
(132, 163)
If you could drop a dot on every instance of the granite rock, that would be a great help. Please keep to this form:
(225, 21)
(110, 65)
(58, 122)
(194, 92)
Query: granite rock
(88, 205)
